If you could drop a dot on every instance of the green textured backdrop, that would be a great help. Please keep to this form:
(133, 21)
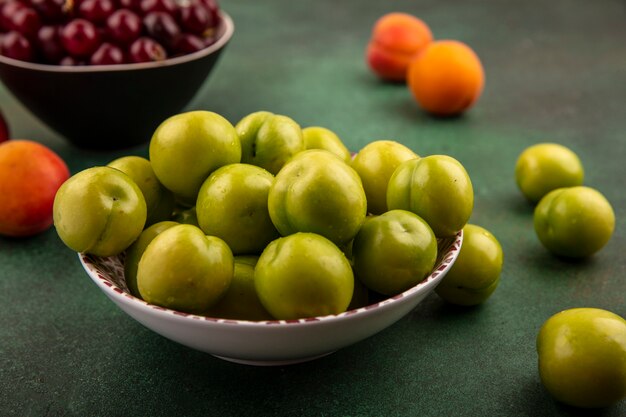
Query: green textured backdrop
(555, 71)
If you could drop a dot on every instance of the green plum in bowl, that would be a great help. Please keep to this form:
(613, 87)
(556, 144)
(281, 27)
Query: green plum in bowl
(266, 341)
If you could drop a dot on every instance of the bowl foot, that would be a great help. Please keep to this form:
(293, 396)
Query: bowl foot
(272, 362)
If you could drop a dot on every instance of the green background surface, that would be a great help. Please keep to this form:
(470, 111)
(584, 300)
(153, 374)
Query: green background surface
(555, 71)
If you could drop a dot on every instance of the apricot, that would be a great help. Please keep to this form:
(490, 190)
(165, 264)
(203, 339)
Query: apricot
(30, 175)
(447, 78)
(396, 39)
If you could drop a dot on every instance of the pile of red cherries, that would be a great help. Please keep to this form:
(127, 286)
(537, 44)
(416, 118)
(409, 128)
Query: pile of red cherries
(105, 32)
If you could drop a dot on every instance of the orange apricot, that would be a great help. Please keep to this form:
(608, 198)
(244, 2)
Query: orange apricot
(396, 39)
(30, 175)
(447, 78)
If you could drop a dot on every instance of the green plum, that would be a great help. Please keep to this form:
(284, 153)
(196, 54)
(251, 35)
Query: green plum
(136, 250)
(159, 200)
(316, 137)
(318, 192)
(574, 222)
(360, 295)
(232, 205)
(241, 301)
(186, 216)
(545, 167)
(394, 252)
(436, 188)
(99, 211)
(303, 275)
(582, 357)
(187, 147)
(375, 164)
(269, 140)
(475, 274)
(185, 270)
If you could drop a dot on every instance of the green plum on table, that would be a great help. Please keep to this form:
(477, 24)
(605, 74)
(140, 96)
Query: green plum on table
(582, 357)
(545, 167)
(99, 211)
(574, 222)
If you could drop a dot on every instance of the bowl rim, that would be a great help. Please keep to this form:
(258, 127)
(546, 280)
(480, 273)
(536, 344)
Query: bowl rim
(227, 33)
(118, 294)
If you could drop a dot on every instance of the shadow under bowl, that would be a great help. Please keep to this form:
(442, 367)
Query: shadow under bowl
(274, 342)
(110, 107)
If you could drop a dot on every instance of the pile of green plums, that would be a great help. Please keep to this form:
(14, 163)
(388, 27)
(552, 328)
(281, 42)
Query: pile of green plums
(264, 219)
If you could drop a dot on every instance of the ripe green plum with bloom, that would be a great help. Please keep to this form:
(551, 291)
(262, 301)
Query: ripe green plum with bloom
(317, 137)
(185, 270)
(136, 250)
(394, 252)
(574, 222)
(159, 200)
(232, 205)
(100, 211)
(544, 167)
(582, 357)
(186, 148)
(318, 192)
(475, 275)
(437, 188)
(269, 140)
(303, 275)
(375, 164)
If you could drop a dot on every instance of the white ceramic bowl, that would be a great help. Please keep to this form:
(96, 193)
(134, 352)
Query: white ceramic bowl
(277, 342)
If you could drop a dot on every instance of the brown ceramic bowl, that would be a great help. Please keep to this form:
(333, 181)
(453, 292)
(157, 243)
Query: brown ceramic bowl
(114, 106)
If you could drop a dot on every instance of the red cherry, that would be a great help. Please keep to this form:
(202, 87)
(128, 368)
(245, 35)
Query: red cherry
(49, 44)
(80, 38)
(194, 18)
(15, 45)
(166, 6)
(214, 10)
(123, 26)
(134, 5)
(189, 43)
(23, 20)
(70, 61)
(96, 11)
(7, 10)
(50, 11)
(107, 54)
(145, 49)
(162, 27)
